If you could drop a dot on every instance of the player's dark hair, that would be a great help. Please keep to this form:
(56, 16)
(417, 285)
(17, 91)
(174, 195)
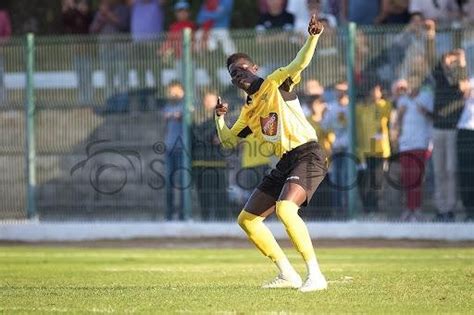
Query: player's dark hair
(237, 56)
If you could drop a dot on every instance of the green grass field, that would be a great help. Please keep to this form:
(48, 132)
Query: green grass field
(226, 281)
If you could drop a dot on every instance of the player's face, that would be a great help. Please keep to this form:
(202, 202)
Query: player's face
(243, 73)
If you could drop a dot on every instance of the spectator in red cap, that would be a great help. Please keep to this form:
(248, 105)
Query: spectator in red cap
(172, 47)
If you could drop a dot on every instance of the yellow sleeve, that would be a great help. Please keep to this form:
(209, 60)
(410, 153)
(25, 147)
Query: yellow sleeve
(227, 138)
(230, 137)
(302, 60)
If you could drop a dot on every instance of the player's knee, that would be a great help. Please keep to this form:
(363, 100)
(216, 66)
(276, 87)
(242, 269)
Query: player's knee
(280, 210)
(241, 219)
(246, 220)
(285, 210)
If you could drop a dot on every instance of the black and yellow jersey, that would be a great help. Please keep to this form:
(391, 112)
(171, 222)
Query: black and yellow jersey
(270, 116)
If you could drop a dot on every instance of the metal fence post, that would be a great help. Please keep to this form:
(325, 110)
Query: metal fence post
(187, 121)
(30, 153)
(351, 43)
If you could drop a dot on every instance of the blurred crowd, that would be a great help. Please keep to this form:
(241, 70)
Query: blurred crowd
(413, 108)
(144, 18)
(417, 118)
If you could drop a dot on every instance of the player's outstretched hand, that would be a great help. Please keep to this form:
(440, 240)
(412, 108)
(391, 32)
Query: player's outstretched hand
(221, 108)
(315, 27)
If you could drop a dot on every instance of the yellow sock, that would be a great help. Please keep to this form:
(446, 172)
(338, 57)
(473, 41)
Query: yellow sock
(259, 234)
(287, 212)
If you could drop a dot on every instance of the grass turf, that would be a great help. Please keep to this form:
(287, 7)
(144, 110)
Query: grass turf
(226, 281)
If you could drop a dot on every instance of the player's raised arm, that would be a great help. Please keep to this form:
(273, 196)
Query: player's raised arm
(304, 56)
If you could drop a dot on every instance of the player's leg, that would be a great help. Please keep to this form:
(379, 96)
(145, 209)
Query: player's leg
(259, 206)
(292, 197)
(287, 207)
(309, 171)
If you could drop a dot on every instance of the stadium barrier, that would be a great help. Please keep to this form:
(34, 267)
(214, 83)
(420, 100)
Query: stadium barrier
(29, 231)
(83, 132)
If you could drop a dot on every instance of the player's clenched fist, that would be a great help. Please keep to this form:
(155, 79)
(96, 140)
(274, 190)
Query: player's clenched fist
(315, 27)
(221, 108)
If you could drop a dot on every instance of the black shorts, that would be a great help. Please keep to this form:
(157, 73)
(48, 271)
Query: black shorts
(305, 165)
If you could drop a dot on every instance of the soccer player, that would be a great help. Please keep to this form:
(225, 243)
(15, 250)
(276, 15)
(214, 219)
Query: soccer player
(274, 115)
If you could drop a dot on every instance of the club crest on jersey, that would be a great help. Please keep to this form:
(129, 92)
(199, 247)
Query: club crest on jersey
(269, 124)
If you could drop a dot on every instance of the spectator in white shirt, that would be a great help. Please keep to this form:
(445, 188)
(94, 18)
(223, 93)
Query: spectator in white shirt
(415, 124)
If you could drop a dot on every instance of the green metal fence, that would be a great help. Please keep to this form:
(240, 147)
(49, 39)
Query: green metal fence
(84, 128)
(13, 184)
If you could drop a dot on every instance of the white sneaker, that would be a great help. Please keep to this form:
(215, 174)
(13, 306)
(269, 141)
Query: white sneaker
(284, 281)
(314, 283)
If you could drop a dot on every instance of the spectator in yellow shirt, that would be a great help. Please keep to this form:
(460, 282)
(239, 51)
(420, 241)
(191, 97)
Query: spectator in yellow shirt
(373, 145)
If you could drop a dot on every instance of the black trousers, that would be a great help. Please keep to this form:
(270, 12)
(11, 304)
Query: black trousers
(465, 148)
(370, 184)
(211, 184)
